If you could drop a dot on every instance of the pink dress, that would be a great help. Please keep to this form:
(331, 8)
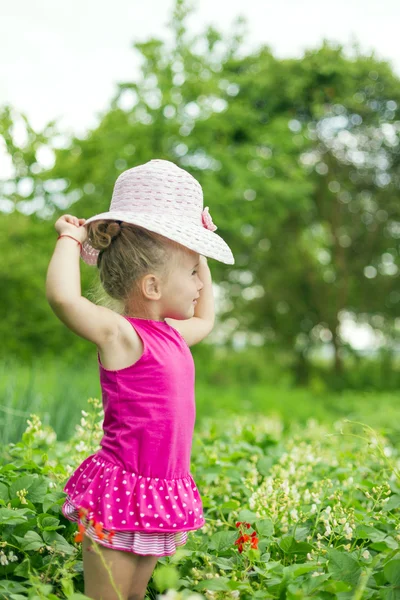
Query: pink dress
(138, 484)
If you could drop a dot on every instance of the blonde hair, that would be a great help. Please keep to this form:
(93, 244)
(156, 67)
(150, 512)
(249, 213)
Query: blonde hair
(128, 253)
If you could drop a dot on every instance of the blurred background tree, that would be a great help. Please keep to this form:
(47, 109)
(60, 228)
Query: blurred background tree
(299, 163)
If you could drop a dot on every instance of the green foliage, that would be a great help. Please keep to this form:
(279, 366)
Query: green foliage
(298, 159)
(324, 514)
(227, 383)
(30, 328)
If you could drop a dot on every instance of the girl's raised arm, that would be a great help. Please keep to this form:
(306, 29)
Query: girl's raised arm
(63, 287)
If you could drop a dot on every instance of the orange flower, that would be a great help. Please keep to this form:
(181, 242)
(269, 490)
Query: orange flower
(79, 535)
(82, 512)
(99, 530)
(84, 515)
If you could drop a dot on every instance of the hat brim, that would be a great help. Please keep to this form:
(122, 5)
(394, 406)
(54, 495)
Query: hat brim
(183, 231)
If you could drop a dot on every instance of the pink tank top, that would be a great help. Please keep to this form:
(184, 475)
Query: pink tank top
(149, 407)
(140, 479)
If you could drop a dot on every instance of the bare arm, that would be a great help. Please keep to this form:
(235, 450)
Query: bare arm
(63, 288)
(201, 324)
(204, 308)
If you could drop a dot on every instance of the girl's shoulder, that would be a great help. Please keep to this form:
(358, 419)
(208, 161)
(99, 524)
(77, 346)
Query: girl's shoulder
(123, 349)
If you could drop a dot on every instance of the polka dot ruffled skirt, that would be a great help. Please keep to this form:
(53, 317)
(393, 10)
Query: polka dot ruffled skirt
(147, 515)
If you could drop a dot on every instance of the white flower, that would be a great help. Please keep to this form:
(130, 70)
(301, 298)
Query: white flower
(12, 557)
(366, 554)
(3, 558)
(294, 514)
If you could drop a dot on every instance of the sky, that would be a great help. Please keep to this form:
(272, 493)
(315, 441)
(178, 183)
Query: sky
(63, 60)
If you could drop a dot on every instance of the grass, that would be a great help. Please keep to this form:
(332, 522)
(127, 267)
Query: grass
(57, 391)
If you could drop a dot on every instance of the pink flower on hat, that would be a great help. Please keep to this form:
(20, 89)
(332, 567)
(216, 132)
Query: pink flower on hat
(207, 220)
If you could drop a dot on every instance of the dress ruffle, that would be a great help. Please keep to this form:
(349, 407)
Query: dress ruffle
(124, 501)
(138, 542)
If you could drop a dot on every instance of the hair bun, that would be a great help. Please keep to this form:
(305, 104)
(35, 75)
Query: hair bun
(113, 229)
(103, 233)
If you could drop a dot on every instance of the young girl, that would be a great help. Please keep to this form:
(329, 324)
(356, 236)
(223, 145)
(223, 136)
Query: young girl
(150, 250)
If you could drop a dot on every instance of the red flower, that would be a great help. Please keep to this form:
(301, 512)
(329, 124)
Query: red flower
(254, 540)
(110, 536)
(241, 541)
(243, 523)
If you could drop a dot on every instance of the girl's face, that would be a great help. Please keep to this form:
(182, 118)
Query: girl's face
(183, 286)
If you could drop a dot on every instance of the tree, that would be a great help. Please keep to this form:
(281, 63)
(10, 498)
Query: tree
(298, 159)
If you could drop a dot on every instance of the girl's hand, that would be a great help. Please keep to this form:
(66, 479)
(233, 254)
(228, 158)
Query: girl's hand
(71, 225)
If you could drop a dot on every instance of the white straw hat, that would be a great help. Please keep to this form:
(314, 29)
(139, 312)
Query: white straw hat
(165, 199)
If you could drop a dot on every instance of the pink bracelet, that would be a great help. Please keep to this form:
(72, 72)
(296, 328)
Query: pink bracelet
(70, 236)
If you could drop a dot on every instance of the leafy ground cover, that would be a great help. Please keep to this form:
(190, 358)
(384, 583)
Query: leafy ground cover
(310, 511)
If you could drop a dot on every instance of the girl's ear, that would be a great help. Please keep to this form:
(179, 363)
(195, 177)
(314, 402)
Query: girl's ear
(151, 288)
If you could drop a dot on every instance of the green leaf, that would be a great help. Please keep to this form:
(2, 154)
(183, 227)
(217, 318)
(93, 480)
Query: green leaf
(11, 587)
(227, 564)
(392, 572)
(247, 515)
(48, 522)
(22, 570)
(253, 554)
(264, 528)
(52, 498)
(9, 516)
(223, 540)
(264, 465)
(343, 567)
(4, 495)
(291, 546)
(67, 586)
(390, 594)
(388, 542)
(230, 505)
(35, 485)
(394, 502)
(52, 538)
(369, 533)
(218, 584)
(302, 569)
(166, 577)
(31, 541)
